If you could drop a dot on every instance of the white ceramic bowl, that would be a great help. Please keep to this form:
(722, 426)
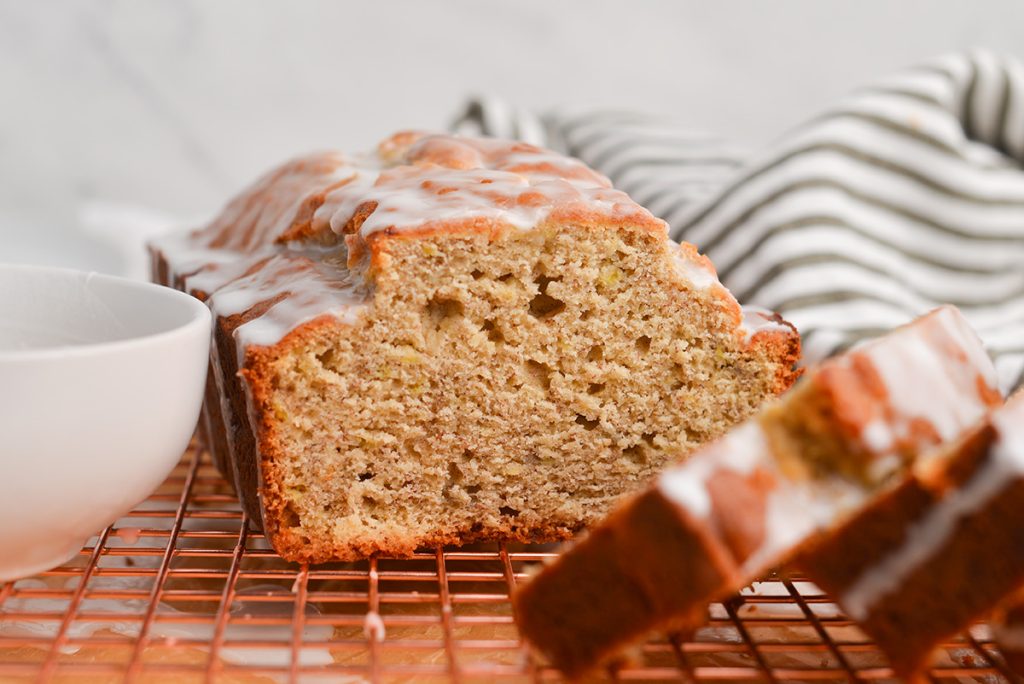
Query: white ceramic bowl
(101, 380)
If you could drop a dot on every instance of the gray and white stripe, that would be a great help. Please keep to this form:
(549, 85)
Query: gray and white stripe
(907, 194)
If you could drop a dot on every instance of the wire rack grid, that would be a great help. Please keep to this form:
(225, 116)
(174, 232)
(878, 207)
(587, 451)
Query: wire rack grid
(180, 590)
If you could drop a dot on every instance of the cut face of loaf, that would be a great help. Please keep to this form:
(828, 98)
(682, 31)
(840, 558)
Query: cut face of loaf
(508, 387)
(748, 502)
(485, 342)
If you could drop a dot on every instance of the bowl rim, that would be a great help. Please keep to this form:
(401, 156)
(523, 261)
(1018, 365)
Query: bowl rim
(200, 318)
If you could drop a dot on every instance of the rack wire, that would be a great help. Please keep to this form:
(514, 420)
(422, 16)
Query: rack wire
(179, 590)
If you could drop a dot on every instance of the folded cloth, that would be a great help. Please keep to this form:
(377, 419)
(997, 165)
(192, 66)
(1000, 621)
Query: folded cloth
(907, 194)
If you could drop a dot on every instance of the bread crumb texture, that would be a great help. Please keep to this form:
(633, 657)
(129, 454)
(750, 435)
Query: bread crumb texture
(500, 386)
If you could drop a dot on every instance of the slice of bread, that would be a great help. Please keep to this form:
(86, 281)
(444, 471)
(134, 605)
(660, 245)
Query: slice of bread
(455, 340)
(750, 501)
(939, 550)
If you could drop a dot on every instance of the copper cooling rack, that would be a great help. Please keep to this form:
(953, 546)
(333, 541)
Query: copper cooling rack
(180, 591)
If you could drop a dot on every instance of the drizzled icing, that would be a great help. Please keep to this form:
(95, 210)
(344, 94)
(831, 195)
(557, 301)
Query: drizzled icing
(797, 507)
(304, 289)
(444, 179)
(693, 267)
(742, 450)
(935, 370)
(269, 207)
(757, 320)
(184, 255)
(373, 627)
(794, 509)
(927, 535)
(216, 274)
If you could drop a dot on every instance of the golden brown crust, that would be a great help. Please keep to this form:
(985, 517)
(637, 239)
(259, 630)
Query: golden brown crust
(286, 196)
(240, 434)
(785, 346)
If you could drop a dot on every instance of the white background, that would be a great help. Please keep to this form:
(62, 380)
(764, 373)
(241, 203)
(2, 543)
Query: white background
(171, 106)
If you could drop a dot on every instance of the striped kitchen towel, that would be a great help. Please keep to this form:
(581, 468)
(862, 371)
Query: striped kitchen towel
(906, 194)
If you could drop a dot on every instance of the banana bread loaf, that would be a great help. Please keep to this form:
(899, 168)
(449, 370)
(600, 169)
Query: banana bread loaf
(457, 339)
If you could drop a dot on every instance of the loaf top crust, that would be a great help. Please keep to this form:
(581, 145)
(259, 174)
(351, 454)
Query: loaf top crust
(416, 181)
(312, 234)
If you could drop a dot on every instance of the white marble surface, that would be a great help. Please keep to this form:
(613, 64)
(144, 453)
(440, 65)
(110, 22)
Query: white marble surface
(169, 106)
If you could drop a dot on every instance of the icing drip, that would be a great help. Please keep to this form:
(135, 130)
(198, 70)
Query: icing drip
(796, 510)
(929, 369)
(305, 288)
(373, 627)
(216, 274)
(741, 451)
(926, 536)
(273, 203)
(442, 179)
(184, 255)
(757, 320)
(697, 270)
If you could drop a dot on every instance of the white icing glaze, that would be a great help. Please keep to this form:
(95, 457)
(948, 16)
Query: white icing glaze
(757, 320)
(924, 379)
(184, 256)
(308, 289)
(741, 450)
(927, 535)
(269, 207)
(475, 179)
(341, 204)
(877, 436)
(373, 627)
(795, 511)
(695, 271)
(216, 274)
